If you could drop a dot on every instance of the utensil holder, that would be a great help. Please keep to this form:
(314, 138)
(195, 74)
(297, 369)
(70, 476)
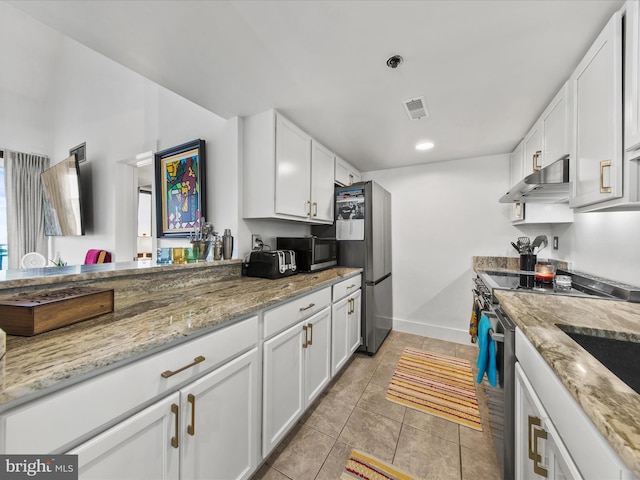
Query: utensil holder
(527, 264)
(203, 247)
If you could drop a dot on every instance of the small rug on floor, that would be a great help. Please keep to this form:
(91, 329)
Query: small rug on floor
(437, 384)
(365, 467)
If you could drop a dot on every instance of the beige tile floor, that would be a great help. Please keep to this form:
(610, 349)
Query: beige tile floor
(353, 413)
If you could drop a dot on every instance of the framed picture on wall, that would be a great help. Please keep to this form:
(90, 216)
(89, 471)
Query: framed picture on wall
(180, 189)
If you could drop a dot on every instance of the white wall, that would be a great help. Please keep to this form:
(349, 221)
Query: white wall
(442, 215)
(606, 244)
(57, 93)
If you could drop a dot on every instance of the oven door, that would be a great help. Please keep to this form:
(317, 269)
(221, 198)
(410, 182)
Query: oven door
(501, 399)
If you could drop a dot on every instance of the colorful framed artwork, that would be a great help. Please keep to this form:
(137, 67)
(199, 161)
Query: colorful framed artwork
(180, 189)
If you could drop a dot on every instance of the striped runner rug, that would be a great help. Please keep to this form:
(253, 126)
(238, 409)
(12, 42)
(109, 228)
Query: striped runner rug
(437, 384)
(365, 467)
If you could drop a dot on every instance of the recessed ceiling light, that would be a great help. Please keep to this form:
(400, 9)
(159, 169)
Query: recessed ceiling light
(424, 146)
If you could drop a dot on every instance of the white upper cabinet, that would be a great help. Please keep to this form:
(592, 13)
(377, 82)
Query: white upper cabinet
(346, 174)
(556, 127)
(549, 138)
(293, 169)
(533, 150)
(632, 79)
(516, 162)
(596, 154)
(322, 173)
(286, 174)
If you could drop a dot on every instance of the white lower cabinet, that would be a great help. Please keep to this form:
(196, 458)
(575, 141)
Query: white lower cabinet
(552, 431)
(296, 369)
(208, 430)
(539, 451)
(345, 334)
(139, 447)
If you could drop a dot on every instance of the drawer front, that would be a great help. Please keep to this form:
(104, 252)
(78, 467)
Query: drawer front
(62, 419)
(279, 318)
(346, 287)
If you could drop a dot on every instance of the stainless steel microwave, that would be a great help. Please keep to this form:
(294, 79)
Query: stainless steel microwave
(312, 253)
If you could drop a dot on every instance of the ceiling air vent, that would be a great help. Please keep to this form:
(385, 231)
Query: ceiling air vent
(416, 108)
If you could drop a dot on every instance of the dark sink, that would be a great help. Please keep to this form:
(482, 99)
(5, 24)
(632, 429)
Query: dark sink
(619, 356)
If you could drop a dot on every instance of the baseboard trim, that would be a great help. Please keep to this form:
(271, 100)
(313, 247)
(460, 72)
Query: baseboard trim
(433, 331)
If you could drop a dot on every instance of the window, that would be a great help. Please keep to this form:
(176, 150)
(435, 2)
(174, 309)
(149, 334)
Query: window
(3, 217)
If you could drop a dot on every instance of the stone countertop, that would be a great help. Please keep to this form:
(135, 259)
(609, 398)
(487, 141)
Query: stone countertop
(611, 405)
(34, 366)
(47, 276)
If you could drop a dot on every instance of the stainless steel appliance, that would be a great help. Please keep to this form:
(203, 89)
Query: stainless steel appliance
(313, 253)
(501, 398)
(363, 232)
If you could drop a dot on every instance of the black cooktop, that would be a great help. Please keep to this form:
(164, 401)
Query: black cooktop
(510, 280)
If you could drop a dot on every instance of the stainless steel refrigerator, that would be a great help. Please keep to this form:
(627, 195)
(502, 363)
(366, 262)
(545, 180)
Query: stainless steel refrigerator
(363, 231)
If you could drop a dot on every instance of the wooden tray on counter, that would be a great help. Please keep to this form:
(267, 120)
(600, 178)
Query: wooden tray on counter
(32, 313)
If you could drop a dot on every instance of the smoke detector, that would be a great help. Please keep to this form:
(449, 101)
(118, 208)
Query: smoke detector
(416, 108)
(394, 61)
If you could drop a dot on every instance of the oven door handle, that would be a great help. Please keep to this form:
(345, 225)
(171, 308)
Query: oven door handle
(498, 337)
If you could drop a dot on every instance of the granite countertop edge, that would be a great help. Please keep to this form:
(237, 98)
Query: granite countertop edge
(612, 406)
(39, 365)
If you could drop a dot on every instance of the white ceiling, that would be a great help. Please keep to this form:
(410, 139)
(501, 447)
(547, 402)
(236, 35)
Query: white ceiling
(485, 68)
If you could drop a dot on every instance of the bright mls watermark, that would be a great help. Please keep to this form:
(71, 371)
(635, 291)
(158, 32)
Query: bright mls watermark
(39, 467)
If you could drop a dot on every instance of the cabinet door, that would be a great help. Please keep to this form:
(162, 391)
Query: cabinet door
(632, 78)
(354, 322)
(596, 154)
(317, 371)
(540, 452)
(322, 177)
(340, 334)
(220, 425)
(293, 170)
(342, 172)
(345, 173)
(516, 174)
(283, 385)
(533, 150)
(141, 447)
(556, 128)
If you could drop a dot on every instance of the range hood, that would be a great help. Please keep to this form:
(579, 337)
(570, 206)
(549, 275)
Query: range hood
(548, 185)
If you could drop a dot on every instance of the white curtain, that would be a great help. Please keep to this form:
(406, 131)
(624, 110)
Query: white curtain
(25, 212)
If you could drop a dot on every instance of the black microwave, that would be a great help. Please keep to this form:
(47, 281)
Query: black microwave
(312, 253)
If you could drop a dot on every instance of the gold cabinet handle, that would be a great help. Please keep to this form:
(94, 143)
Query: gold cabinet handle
(310, 331)
(306, 336)
(191, 429)
(538, 433)
(315, 209)
(176, 411)
(604, 164)
(536, 156)
(351, 286)
(311, 305)
(350, 179)
(170, 373)
(309, 204)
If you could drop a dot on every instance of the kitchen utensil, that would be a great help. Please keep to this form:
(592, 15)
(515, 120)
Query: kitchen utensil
(524, 245)
(515, 246)
(539, 243)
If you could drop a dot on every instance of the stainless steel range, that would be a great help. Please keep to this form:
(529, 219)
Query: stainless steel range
(501, 398)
